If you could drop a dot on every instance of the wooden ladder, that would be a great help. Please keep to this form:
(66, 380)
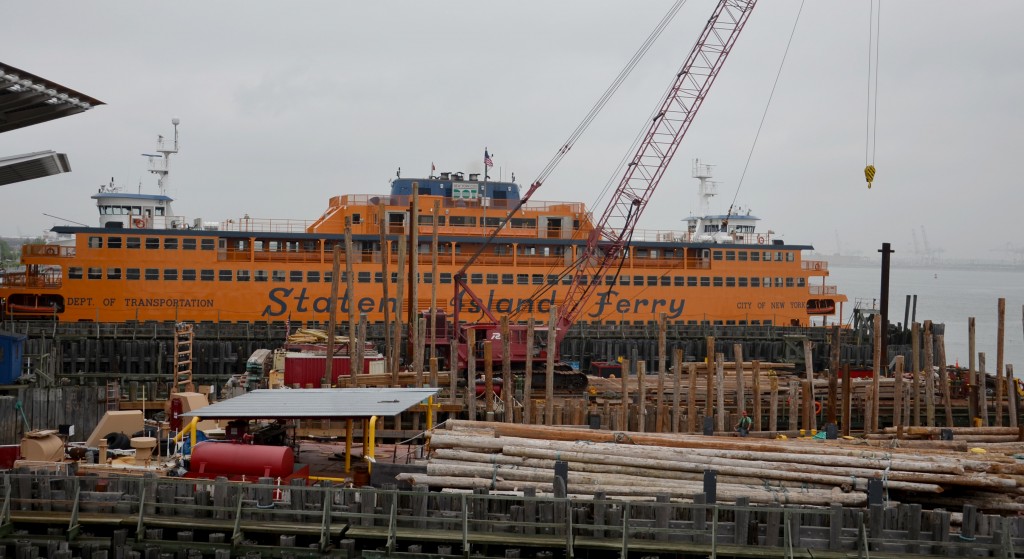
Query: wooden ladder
(184, 335)
(113, 396)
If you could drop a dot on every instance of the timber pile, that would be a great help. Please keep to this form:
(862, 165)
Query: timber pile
(313, 336)
(469, 455)
(970, 435)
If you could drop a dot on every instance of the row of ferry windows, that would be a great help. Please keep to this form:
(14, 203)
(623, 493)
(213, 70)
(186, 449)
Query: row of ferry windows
(279, 276)
(172, 243)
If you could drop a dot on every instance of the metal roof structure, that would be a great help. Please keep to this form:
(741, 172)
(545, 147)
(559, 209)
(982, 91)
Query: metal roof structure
(316, 403)
(17, 168)
(27, 99)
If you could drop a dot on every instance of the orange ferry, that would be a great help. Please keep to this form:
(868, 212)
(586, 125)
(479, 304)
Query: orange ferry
(144, 262)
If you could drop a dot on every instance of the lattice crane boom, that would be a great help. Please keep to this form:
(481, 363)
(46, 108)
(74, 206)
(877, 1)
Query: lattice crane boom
(613, 230)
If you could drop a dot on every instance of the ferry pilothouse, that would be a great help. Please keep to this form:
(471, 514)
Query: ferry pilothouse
(143, 262)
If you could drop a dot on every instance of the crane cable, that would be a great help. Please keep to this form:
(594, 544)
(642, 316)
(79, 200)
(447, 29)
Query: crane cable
(609, 92)
(871, 128)
(764, 114)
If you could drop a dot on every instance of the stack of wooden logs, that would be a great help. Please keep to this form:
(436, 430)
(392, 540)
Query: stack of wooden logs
(497, 456)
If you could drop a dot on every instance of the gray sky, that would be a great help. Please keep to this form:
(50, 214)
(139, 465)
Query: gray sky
(286, 104)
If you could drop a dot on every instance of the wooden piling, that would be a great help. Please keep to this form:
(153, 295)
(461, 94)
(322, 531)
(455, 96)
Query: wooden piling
(677, 385)
(433, 283)
(488, 380)
(947, 402)
(662, 370)
(915, 371)
(624, 411)
(847, 400)
(773, 404)
(1011, 387)
(741, 393)
(709, 394)
(471, 406)
(413, 319)
(929, 374)
(756, 364)
(897, 401)
(508, 385)
(972, 372)
(1000, 339)
(399, 297)
(332, 315)
(720, 396)
(549, 392)
(641, 396)
(981, 386)
(691, 398)
(876, 376)
(810, 418)
(794, 405)
(528, 381)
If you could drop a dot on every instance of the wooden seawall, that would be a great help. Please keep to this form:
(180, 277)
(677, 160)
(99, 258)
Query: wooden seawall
(64, 516)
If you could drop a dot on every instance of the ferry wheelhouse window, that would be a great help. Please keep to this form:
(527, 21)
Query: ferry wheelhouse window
(778, 256)
(113, 242)
(356, 219)
(132, 274)
(295, 276)
(741, 255)
(311, 276)
(225, 275)
(206, 275)
(152, 273)
(188, 244)
(152, 243)
(705, 281)
(730, 255)
(755, 256)
(716, 255)
(170, 274)
(95, 242)
(766, 256)
(277, 276)
(206, 244)
(188, 274)
(492, 279)
(95, 273)
(446, 277)
(134, 242)
(171, 243)
(261, 275)
(114, 273)
(476, 278)
(363, 277)
(789, 256)
(522, 223)
(507, 279)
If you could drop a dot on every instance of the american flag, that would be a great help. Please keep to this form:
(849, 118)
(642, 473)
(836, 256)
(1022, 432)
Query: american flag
(488, 162)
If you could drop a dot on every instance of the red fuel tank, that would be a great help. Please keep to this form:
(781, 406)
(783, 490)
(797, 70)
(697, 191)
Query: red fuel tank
(229, 459)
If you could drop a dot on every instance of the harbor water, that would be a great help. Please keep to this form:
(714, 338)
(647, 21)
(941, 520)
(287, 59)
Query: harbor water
(949, 296)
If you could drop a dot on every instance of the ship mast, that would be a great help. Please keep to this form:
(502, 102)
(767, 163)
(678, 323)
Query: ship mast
(161, 166)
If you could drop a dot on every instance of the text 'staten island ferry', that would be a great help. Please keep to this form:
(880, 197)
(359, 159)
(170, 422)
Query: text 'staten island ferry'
(144, 262)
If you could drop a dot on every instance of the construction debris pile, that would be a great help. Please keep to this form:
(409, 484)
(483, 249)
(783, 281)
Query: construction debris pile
(498, 456)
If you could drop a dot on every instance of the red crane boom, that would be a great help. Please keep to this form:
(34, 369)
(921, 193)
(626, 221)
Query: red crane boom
(606, 245)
